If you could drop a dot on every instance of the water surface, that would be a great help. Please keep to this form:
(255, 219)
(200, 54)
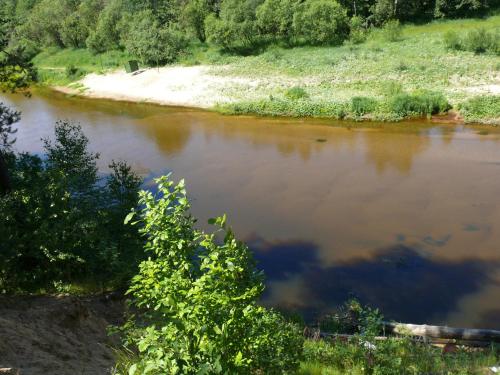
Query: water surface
(404, 217)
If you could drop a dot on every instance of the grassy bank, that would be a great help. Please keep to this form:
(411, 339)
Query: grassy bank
(385, 78)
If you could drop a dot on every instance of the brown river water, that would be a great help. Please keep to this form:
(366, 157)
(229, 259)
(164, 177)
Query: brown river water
(404, 217)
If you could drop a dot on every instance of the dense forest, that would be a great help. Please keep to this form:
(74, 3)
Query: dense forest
(157, 30)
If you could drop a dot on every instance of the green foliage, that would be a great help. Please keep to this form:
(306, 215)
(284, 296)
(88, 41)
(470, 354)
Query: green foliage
(480, 108)
(452, 40)
(290, 108)
(321, 22)
(392, 31)
(236, 28)
(61, 223)
(147, 40)
(461, 8)
(423, 103)
(358, 32)
(365, 353)
(361, 105)
(106, 35)
(194, 14)
(296, 93)
(478, 40)
(198, 296)
(275, 19)
(481, 41)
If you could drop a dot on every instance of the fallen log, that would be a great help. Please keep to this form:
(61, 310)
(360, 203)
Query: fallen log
(440, 342)
(440, 332)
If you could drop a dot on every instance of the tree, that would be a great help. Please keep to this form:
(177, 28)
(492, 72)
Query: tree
(61, 223)
(235, 28)
(106, 35)
(321, 22)
(145, 38)
(461, 8)
(275, 18)
(8, 117)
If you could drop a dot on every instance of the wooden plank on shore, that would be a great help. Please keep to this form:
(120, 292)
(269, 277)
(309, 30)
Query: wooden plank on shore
(441, 332)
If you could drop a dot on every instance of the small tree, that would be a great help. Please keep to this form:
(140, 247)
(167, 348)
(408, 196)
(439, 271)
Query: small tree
(198, 295)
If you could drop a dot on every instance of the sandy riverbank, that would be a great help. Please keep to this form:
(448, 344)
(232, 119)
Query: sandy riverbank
(195, 86)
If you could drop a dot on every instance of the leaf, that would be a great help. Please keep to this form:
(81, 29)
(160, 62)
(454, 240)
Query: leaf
(128, 217)
(133, 369)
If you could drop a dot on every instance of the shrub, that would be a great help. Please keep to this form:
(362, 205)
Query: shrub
(481, 41)
(418, 104)
(321, 22)
(481, 108)
(74, 72)
(361, 105)
(392, 31)
(296, 93)
(358, 32)
(61, 223)
(452, 40)
(198, 294)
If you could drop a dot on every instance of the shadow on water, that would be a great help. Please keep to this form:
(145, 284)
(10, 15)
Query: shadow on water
(405, 284)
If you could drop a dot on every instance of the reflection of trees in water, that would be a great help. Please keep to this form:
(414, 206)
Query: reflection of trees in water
(170, 133)
(289, 137)
(386, 150)
(403, 283)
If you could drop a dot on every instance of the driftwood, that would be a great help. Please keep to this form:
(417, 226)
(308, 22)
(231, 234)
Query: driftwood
(434, 335)
(440, 332)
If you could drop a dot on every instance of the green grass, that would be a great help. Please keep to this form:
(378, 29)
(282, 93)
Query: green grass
(54, 64)
(419, 61)
(392, 356)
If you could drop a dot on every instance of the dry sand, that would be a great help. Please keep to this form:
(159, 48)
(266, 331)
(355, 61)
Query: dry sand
(179, 86)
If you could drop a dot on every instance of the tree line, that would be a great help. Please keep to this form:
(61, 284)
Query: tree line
(156, 31)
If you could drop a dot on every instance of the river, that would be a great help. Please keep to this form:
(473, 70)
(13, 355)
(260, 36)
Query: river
(404, 217)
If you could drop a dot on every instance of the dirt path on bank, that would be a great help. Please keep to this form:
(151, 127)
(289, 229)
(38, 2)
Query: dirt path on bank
(58, 335)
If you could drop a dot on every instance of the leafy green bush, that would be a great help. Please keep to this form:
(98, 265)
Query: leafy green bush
(392, 31)
(321, 22)
(61, 223)
(361, 105)
(452, 40)
(296, 93)
(198, 296)
(484, 108)
(358, 32)
(74, 72)
(423, 103)
(481, 41)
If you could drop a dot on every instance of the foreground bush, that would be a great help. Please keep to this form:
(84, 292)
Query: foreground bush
(197, 294)
(61, 223)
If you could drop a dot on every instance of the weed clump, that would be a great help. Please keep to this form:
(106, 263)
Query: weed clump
(481, 108)
(296, 93)
(361, 105)
(423, 103)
